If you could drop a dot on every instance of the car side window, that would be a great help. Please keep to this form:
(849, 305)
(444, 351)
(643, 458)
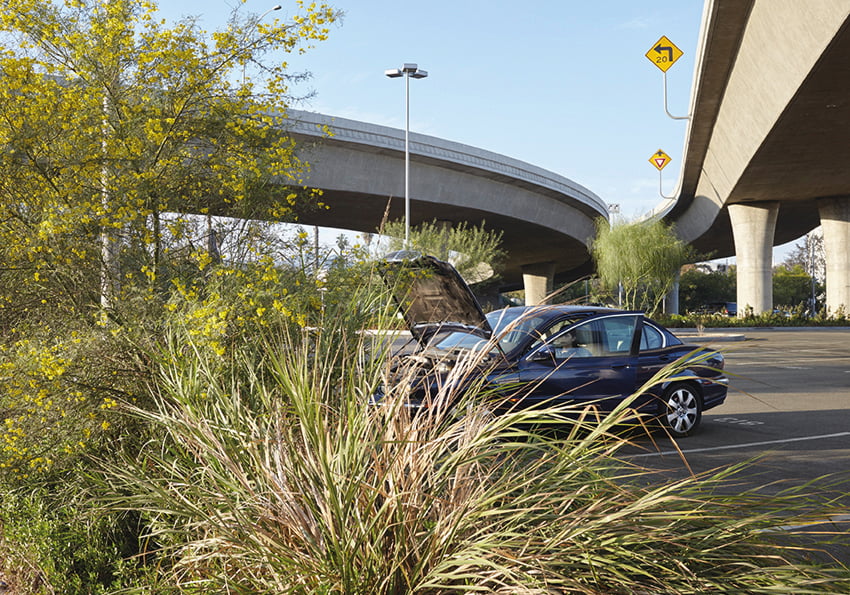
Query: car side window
(566, 345)
(547, 335)
(587, 337)
(651, 338)
(604, 337)
(618, 334)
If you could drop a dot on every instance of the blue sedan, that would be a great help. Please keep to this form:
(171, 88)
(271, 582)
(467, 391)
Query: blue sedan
(557, 353)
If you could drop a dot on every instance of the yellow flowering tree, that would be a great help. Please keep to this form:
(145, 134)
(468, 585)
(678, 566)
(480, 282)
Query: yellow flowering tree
(116, 127)
(51, 412)
(110, 117)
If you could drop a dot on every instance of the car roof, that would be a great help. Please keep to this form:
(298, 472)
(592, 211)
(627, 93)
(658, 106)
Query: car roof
(554, 310)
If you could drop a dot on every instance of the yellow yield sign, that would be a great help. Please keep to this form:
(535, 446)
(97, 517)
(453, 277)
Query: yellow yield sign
(664, 53)
(659, 159)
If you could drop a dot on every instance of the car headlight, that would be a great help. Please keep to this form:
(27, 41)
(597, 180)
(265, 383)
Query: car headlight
(715, 361)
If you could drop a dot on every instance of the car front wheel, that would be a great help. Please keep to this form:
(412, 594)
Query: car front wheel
(681, 410)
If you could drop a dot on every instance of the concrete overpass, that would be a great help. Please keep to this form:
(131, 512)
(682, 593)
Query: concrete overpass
(767, 159)
(767, 155)
(547, 219)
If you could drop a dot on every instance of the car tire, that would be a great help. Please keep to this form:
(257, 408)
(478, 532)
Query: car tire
(681, 410)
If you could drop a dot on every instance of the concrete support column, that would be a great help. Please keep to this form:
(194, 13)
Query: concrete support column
(835, 221)
(671, 300)
(753, 226)
(537, 280)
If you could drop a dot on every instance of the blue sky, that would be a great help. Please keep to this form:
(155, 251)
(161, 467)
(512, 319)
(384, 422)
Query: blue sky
(561, 84)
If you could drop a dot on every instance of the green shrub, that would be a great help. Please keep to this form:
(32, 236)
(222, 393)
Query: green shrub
(49, 548)
(794, 318)
(241, 455)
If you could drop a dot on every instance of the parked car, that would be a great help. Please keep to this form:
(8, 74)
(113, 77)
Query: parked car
(549, 354)
(724, 308)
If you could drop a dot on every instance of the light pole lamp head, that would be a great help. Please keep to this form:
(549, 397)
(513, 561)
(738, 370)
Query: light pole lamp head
(407, 69)
(272, 9)
(413, 71)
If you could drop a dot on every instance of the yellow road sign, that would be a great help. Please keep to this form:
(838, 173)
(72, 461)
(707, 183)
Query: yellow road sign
(664, 53)
(659, 159)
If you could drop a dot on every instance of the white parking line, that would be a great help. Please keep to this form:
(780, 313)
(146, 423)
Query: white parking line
(746, 445)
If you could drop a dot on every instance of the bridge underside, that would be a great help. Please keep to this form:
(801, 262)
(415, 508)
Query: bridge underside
(771, 118)
(546, 220)
(525, 243)
(770, 126)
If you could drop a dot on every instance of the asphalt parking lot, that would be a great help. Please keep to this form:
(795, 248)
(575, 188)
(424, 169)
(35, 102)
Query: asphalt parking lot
(787, 415)
(788, 411)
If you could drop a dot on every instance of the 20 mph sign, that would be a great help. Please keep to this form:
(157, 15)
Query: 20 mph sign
(664, 53)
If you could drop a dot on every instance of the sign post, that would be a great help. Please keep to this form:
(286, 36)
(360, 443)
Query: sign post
(659, 161)
(664, 53)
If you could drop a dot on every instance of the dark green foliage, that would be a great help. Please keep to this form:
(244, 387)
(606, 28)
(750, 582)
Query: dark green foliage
(697, 288)
(792, 287)
(52, 541)
(796, 317)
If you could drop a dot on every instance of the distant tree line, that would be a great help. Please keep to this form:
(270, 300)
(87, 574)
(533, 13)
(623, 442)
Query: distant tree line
(636, 264)
(796, 281)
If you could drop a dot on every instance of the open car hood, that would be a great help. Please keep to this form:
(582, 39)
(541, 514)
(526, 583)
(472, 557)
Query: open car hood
(432, 295)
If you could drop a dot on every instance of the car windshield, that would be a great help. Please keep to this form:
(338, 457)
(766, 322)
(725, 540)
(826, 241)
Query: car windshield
(511, 326)
(455, 340)
(499, 321)
(514, 326)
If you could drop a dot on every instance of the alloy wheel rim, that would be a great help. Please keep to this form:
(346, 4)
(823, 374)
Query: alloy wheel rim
(682, 410)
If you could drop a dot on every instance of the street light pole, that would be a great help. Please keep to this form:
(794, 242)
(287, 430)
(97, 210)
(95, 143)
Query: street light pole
(614, 209)
(407, 71)
(260, 18)
(212, 242)
(810, 244)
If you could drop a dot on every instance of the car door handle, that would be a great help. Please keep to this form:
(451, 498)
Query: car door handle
(619, 366)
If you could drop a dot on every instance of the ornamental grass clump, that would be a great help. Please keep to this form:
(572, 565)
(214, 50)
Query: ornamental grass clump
(273, 473)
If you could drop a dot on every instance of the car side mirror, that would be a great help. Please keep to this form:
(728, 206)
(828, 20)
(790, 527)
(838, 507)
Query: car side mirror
(545, 354)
